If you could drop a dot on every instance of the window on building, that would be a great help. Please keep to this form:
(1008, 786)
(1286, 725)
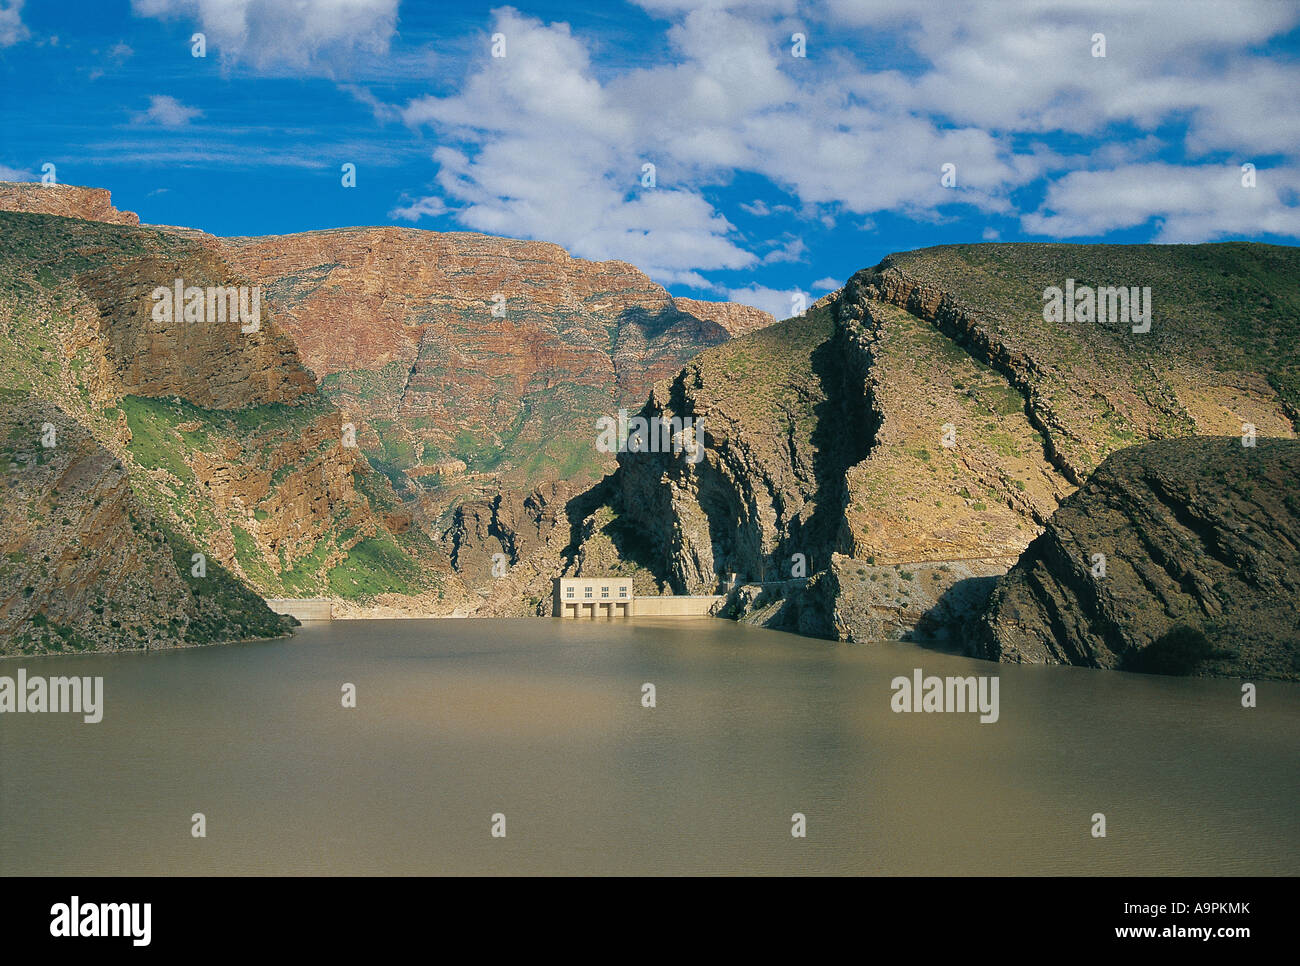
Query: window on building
(604, 592)
(568, 592)
(586, 592)
(622, 592)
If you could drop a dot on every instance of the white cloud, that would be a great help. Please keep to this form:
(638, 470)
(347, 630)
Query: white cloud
(553, 152)
(430, 207)
(794, 250)
(550, 154)
(550, 146)
(780, 303)
(12, 29)
(297, 34)
(166, 111)
(827, 284)
(15, 174)
(1028, 66)
(1189, 204)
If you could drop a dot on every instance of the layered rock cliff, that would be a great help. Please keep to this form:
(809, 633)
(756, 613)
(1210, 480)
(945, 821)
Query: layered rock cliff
(470, 372)
(475, 369)
(213, 424)
(464, 348)
(871, 468)
(1180, 556)
(68, 201)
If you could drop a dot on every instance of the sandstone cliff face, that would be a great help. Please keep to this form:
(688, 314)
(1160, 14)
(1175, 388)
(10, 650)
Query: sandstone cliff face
(68, 201)
(496, 353)
(475, 369)
(218, 365)
(1202, 534)
(736, 318)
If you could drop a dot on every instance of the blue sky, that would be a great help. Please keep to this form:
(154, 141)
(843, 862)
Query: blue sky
(773, 172)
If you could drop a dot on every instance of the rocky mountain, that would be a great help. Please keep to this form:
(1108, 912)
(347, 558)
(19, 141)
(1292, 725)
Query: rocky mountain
(84, 565)
(868, 470)
(871, 468)
(475, 369)
(202, 433)
(470, 356)
(1181, 556)
(466, 422)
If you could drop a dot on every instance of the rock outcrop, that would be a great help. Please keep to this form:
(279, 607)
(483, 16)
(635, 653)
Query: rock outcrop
(737, 318)
(1179, 556)
(67, 201)
(871, 468)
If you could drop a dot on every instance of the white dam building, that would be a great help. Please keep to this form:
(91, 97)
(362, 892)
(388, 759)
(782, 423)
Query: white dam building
(593, 597)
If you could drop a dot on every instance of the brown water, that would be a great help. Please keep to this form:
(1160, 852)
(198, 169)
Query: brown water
(542, 721)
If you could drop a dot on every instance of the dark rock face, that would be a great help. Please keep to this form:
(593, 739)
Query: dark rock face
(1201, 540)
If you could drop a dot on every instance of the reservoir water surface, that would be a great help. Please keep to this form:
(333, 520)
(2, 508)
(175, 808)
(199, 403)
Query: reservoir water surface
(543, 722)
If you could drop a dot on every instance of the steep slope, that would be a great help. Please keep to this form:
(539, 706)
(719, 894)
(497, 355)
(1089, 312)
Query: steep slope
(464, 348)
(85, 566)
(475, 369)
(1222, 342)
(933, 419)
(481, 423)
(1181, 556)
(219, 429)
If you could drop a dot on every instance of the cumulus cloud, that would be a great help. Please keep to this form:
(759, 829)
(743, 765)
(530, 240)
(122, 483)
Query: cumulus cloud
(549, 145)
(430, 207)
(166, 111)
(1029, 66)
(297, 34)
(549, 153)
(12, 29)
(827, 284)
(1187, 204)
(780, 303)
(551, 150)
